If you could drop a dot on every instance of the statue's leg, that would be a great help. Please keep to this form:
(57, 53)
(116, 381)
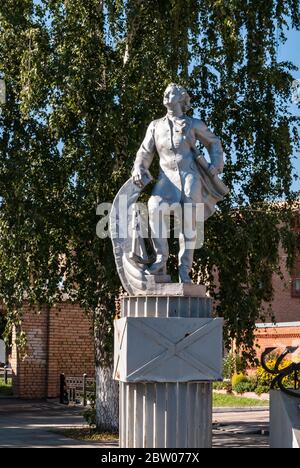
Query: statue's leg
(187, 242)
(160, 228)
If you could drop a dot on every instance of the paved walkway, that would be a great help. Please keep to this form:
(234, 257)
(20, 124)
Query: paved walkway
(27, 424)
(241, 429)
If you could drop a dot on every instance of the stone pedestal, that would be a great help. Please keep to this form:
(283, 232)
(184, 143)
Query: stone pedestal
(168, 351)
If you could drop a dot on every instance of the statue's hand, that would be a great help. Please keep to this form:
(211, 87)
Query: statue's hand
(137, 176)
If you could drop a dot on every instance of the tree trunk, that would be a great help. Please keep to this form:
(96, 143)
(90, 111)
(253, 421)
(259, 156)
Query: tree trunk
(107, 401)
(107, 390)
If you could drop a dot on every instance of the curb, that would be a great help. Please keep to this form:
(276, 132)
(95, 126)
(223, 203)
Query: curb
(252, 409)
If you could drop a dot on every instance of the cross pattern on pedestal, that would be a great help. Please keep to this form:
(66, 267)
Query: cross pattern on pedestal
(172, 349)
(119, 342)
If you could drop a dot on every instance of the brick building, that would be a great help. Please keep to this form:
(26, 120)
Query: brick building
(59, 340)
(286, 309)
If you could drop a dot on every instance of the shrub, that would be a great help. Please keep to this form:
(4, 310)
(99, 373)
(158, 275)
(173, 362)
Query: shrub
(249, 385)
(90, 416)
(238, 378)
(90, 413)
(219, 385)
(253, 383)
(233, 363)
(243, 387)
(229, 366)
(260, 389)
(264, 378)
(223, 386)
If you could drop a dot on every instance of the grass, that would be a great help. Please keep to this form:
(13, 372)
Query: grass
(87, 434)
(232, 401)
(6, 389)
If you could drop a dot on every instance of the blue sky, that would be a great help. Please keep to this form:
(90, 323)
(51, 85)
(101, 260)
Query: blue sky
(291, 51)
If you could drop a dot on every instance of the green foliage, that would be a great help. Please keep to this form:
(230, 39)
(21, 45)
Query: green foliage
(233, 363)
(84, 79)
(264, 378)
(89, 413)
(223, 386)
(218, 385)
(2, 325)
(237, 379)
(90, 416)
(261, 381)
(6, 389)
(243, 387)
(252, 384)
(260, 389)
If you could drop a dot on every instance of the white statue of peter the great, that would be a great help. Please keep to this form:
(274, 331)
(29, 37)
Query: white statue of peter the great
(185, 177)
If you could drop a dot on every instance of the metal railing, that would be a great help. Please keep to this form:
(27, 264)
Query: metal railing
(77, 390)
(280, 374)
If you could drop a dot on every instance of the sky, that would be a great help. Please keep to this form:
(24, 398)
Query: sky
(291, 51)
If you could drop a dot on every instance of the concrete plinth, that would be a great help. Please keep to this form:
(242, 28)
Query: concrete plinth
(284, 420)
(166, 369)
(166, 415)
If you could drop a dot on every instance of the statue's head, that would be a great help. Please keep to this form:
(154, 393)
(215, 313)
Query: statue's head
(176, 94)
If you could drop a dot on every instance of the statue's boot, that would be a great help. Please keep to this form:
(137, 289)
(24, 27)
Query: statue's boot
(184, 276)
(185, 258)
(159, 267)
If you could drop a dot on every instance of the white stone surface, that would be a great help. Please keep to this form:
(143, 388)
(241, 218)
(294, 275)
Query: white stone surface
(168, 349)
(2, 352)
(175, 289)
(166, 415)
(166, 306)
(284, 420)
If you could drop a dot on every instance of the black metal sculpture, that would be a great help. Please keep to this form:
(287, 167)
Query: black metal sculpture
(280, 374)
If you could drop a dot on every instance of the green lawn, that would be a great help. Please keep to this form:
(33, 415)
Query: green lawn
(232, 401)
(6, 389)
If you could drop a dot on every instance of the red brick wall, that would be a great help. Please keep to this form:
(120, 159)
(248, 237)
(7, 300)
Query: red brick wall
(286, 305)
(59, 340)
(70, 344)
(286, 309)
(29, 370)
(278, 337)
(296, 275)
